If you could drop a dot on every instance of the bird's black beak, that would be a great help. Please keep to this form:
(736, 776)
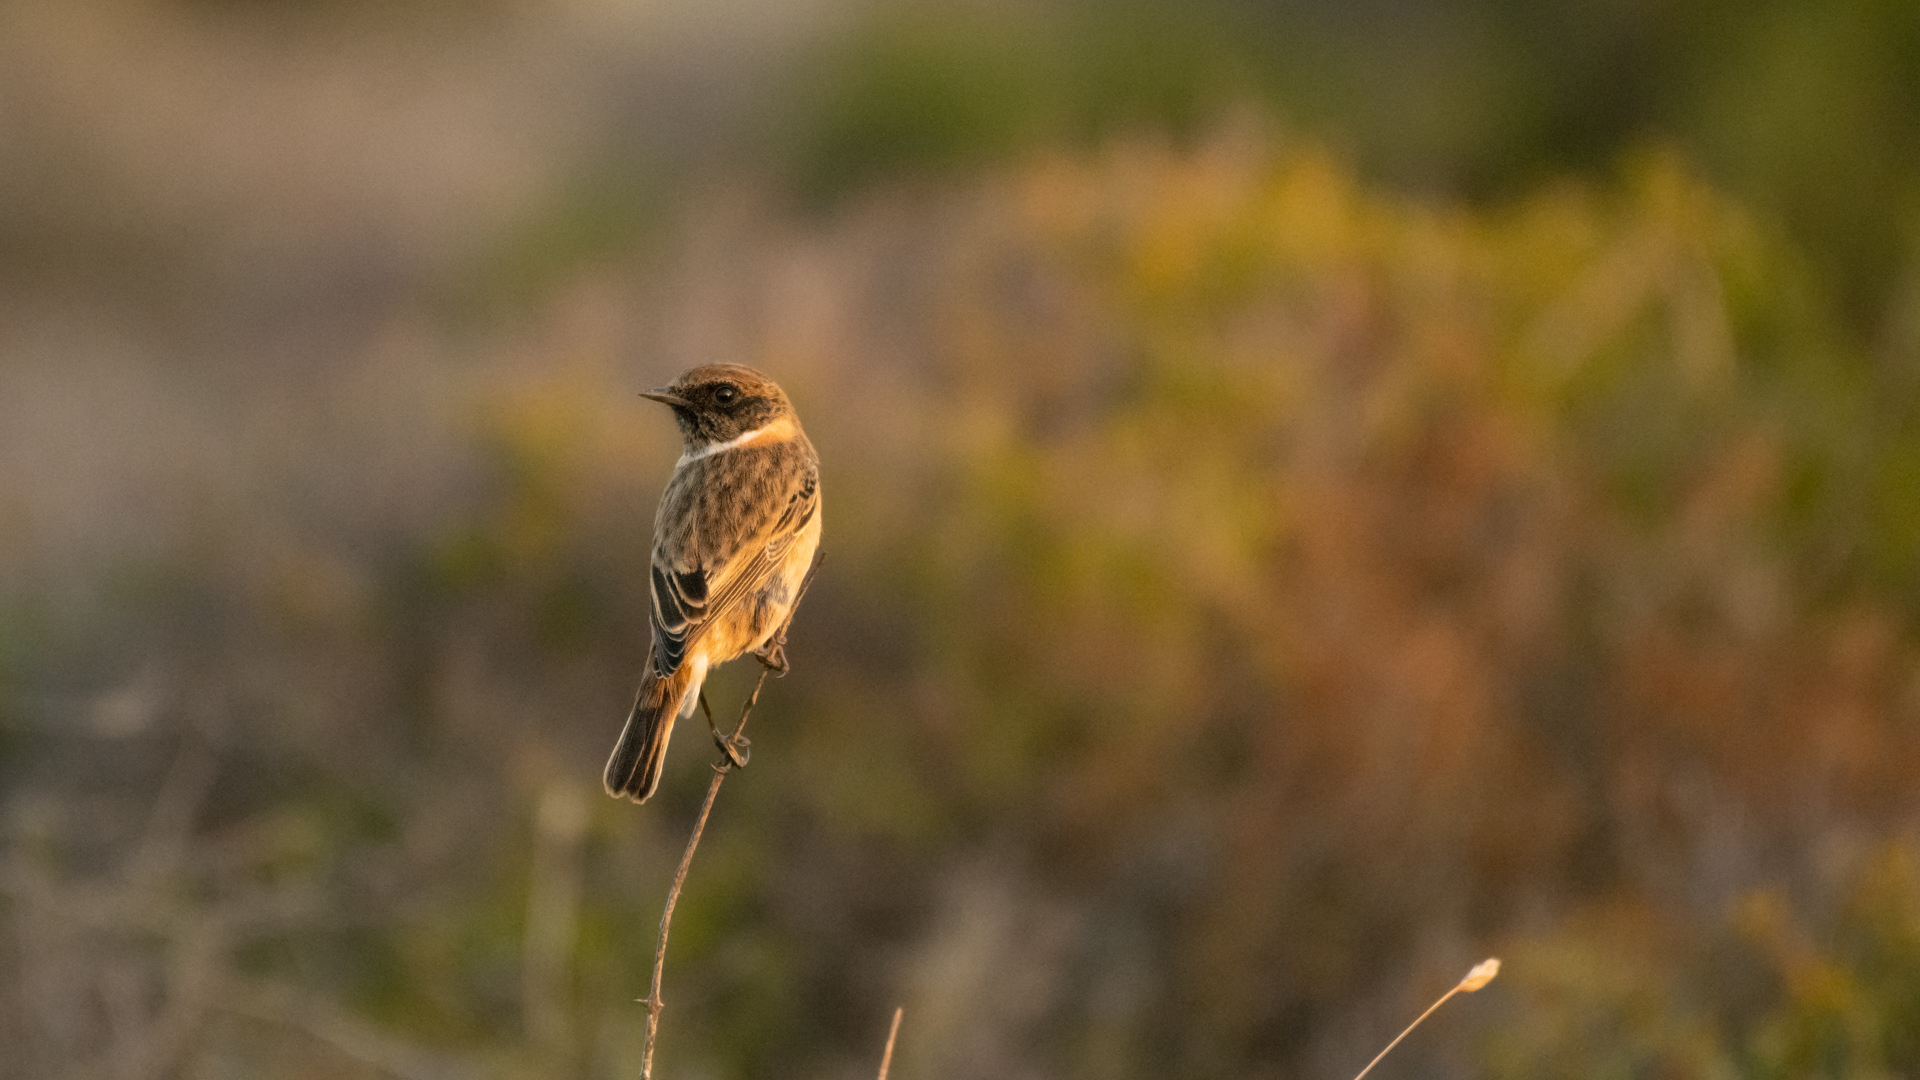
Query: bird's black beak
(665, 396)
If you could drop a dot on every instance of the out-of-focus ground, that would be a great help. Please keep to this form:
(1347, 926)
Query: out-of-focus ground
(1316, 494)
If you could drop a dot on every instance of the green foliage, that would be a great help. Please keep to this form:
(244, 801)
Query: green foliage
(928, 89)
(1807, 110)
(1767, 991)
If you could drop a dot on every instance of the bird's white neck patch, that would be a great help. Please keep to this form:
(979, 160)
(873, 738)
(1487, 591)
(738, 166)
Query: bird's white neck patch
(778, 431)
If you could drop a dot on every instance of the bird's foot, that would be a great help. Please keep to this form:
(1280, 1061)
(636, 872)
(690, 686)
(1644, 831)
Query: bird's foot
(735, 747)
(773, 655)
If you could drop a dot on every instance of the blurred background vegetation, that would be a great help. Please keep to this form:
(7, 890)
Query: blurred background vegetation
(1318, 493)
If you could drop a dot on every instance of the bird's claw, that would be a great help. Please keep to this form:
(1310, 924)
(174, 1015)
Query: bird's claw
(737, 749)
(773, 657)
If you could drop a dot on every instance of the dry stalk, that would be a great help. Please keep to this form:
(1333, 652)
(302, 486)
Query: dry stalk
(1481, 975)
(720, 770)
(886, 1059)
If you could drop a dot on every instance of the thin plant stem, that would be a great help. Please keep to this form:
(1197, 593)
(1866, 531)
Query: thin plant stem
(720, 770)
(652, 999)
(886, 1059)
(1403, 1034)
(1481, 975)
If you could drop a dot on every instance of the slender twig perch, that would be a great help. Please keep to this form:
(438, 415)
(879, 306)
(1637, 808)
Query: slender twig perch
(652, 999)
(721, 768)
(1481, 975)
(886, 1059)
(720, 771)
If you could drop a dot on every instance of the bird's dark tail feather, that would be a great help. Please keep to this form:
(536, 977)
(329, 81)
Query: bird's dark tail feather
(634, 769)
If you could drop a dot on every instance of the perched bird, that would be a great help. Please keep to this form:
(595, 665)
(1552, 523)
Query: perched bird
(733, 541)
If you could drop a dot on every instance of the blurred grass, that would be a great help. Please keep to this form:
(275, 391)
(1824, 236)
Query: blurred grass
(1321, 583)
(1266, 578)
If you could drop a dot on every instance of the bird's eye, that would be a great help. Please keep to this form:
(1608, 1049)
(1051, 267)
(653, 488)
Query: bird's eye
(726, 394)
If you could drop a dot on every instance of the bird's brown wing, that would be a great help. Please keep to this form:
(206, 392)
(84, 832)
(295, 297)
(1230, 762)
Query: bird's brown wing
(725, 524)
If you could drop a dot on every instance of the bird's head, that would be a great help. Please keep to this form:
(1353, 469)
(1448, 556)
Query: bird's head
(716, 403)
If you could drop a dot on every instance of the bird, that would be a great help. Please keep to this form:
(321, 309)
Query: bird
(734, 540)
